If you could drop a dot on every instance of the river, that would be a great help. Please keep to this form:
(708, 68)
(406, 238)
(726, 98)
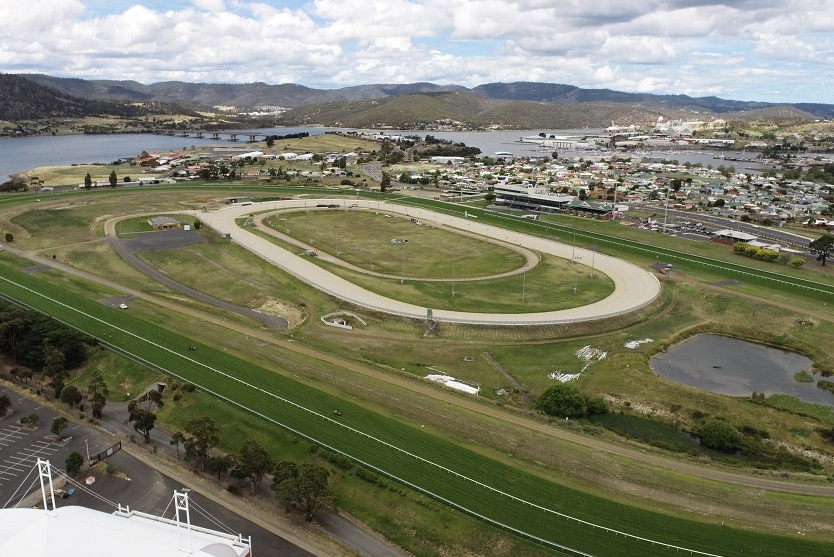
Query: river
(26, 153)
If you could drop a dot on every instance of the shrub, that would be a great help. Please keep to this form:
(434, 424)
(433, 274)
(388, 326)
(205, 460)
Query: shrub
(562, 400)
(338, 459)
(827, 385)
(719, 435)
(596, 406)
(803, 377)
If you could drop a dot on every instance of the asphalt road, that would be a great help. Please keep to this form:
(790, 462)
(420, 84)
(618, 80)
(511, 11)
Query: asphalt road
(171, 239)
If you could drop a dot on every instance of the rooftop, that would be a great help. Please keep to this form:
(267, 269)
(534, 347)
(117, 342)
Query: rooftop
(73, 531)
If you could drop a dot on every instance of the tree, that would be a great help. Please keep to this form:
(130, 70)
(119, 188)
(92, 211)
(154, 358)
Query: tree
(59, 424)
(203, 438)
(219, 464)
(9, 237)
(822, 247)
(143, 420)
(385, 183)
(719, 435)
(88, 181)
(150, 401)
(253, 461)
(22, 373)
(73, 463)
(57, 386)
(32, 420)
(596, 406)
(71, 396)
(176, 439)
(303, 488)
(562, 400)
(5, 404)
(113, 179)
(97, 393)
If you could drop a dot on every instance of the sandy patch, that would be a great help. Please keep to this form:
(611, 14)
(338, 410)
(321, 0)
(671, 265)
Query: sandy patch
(295, 316)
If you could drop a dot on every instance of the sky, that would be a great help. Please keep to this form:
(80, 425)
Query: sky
(751, 50)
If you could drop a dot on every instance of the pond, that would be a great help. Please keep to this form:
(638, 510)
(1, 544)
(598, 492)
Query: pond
(735, 367)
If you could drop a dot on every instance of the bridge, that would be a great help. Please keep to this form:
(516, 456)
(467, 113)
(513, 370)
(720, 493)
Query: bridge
(217, 136)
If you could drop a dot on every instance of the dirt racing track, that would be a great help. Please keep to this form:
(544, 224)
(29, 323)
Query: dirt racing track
(634, 287)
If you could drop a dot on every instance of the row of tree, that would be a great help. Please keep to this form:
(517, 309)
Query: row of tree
(299, 487)
(41, 347)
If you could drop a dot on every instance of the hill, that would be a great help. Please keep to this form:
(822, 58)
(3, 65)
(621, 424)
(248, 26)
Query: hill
(23, 99)
(291, 95)
(422, 110)
(521, 105)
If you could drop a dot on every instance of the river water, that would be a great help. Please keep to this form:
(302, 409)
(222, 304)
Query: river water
(735, 367)
(26, 153)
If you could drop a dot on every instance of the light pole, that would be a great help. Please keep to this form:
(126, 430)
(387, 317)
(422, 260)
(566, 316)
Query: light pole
(453, 277)
(371, 252)
(86, 444)
(402, 250)
(575, 280)
(573, 253)
(593, 257)
(523, 285)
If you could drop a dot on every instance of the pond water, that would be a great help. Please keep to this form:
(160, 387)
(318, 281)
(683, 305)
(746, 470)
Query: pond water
(735, 367)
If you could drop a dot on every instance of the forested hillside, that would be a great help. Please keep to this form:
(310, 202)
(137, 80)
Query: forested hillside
(22, 99)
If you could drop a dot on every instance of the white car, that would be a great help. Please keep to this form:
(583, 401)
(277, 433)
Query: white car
(123, 306)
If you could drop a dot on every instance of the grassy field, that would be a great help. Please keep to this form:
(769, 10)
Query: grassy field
(445, 259)
(522, 502)
(365, 238)
(691, 303)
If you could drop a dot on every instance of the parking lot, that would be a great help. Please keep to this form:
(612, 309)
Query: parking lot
(136, 485)
(21, 446)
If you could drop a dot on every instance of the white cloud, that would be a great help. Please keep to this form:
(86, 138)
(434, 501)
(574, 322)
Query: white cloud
(732, 48)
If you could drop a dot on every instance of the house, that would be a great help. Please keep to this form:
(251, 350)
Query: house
(163, 223)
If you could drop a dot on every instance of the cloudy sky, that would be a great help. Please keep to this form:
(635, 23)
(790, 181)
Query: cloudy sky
(762, 50)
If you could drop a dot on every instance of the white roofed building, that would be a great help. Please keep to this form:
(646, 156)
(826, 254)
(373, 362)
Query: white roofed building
(81, 532)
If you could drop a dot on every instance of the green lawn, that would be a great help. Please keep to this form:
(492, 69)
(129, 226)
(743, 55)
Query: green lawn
(515, 500)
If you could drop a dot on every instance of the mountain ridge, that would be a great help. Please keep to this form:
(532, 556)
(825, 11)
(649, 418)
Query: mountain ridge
(290, 95)
(177, 105)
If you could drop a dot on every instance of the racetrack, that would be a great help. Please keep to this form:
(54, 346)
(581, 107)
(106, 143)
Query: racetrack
(634, 287)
